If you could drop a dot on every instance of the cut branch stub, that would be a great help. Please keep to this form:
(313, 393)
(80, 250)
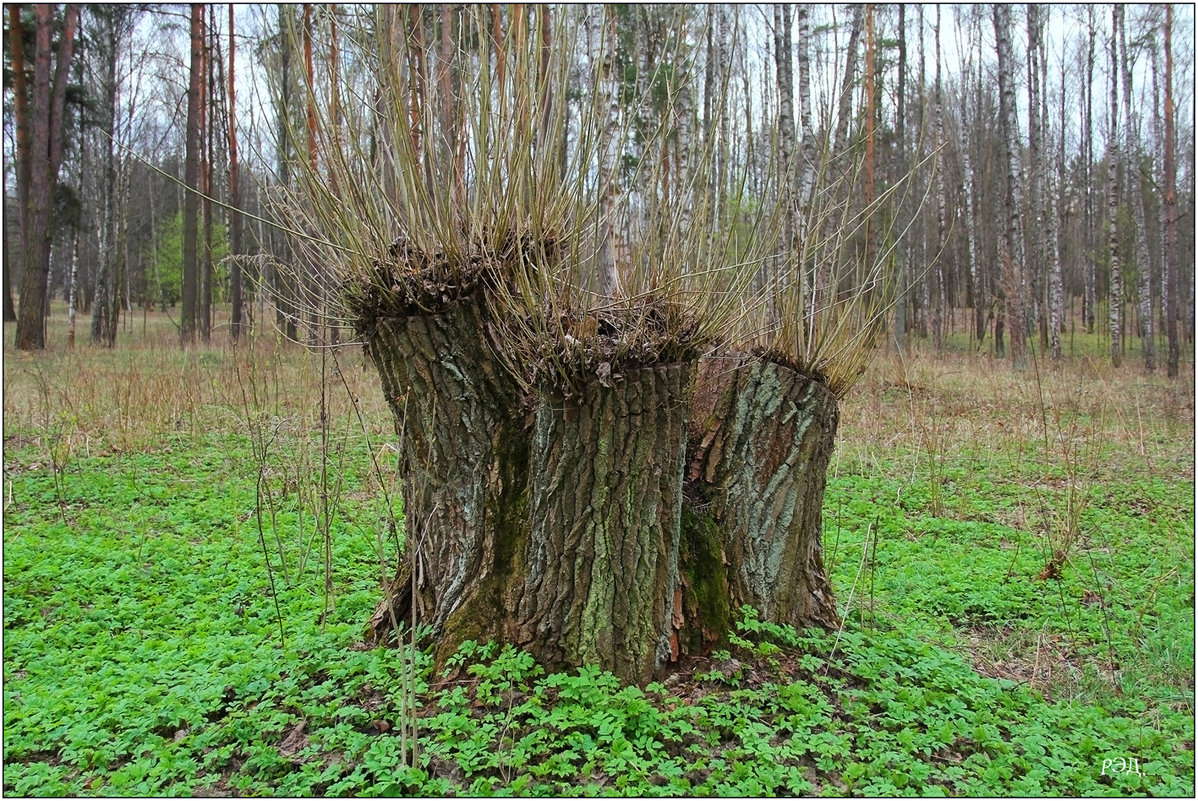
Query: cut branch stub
(599, 574)
(761, 437)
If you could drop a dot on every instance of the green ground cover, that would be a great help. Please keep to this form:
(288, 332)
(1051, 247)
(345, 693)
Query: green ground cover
(1016, 570)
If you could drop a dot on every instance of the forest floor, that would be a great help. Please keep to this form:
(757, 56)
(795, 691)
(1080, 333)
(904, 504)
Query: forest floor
(190, 559)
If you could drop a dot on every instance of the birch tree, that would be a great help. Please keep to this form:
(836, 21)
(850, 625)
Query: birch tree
(1012, 263)
(1114, 159)
(110, 27)
(1135, 196)
(1035, 173)
(941, 201)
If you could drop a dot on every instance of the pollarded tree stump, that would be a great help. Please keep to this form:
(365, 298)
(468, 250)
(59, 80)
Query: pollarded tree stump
(557, 524)
(598, 579)
(761, 437)
(463, 465)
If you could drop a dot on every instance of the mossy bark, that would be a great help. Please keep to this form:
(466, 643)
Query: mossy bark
(761, 439)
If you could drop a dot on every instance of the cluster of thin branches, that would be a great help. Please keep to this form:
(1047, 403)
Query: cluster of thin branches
(515, 158)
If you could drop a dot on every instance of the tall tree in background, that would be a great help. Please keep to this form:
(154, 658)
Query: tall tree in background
(191, 180)
(938, 302)
(848, 80)
(965, 138)
(1169, 210)
(786, 128)
(10, 308)
(207, 159)
(1135, 195)
(1011, 258)
(39, 109)
(807, 151)
(1056, 293)
(1035, 172)
(235, 218)
(111, 26)
(1113, 161)
(871, 130)
(284, 284)
(1090, 292)
(900, 168)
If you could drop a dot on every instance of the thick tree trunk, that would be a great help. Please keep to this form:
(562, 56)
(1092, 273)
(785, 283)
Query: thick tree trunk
(580, 528)
(462, 453)
(597, 579)
(761, 440)
(40, 143)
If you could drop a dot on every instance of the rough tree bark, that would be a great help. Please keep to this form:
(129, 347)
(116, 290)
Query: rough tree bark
(39, 111)
(191, 179)
(596, 580)
(761, 438)
(1170, 207)
(618, 527)
(461, 459)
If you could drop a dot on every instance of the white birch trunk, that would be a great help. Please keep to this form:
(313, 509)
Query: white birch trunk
(941, 201)
(1012, 250)
(1131, 176)
(1116, 282)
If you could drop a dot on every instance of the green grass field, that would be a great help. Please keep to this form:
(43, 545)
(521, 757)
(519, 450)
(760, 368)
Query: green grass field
(190, 559)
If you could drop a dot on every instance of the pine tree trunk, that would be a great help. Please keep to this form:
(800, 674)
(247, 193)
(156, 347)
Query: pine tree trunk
(40, 108)
(1169, 207)
(191, 170)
